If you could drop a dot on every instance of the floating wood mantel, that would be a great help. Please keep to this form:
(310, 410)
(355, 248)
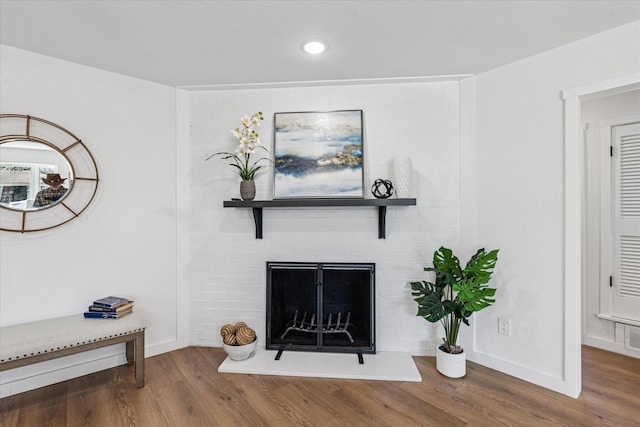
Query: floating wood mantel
(258, 205)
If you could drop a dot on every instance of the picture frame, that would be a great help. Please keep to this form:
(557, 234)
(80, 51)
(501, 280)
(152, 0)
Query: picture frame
(318, 154)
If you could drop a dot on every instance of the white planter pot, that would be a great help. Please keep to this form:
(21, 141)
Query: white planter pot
(451, 365)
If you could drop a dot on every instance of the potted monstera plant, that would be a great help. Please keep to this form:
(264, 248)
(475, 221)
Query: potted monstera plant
(452, 298)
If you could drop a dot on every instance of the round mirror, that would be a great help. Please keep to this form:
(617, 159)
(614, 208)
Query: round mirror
(47, 175)
(32, 175)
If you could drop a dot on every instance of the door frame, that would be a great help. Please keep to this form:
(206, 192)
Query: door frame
(573, 244)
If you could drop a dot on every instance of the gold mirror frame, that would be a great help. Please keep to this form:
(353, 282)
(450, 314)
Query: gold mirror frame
(84, 171)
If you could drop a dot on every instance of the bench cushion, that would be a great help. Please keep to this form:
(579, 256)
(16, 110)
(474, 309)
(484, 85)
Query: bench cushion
(50, 335)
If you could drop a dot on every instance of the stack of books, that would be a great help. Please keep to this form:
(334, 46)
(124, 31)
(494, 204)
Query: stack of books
(109, 308)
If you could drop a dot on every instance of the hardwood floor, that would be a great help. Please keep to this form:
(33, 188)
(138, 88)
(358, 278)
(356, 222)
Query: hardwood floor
(183, 388)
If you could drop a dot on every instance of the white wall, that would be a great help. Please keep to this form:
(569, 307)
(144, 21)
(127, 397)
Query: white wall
(520, 199)
(227, 264)
(599, 332)
(125, 242)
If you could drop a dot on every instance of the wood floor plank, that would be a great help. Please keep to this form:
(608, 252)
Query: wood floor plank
(184, 388)
(498, 403)
(394, 405)
(224, 399)
(84, 393)
(44, 406)
(186, 409)
(261, 392)
(10, 409)
(316, 399)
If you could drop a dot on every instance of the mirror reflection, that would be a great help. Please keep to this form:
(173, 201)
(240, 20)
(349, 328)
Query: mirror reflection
(33, 175)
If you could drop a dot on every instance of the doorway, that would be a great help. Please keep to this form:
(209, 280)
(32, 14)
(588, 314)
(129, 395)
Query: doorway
(573, 218)
(610, 290)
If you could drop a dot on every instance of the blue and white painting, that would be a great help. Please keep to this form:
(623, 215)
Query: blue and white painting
(318, 154)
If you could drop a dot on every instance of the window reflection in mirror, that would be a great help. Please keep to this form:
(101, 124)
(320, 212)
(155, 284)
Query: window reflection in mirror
(28, 168)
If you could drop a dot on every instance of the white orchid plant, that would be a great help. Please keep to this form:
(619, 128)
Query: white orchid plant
(248, 142)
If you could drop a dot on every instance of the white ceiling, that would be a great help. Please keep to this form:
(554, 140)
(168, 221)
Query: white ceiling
(183, 43)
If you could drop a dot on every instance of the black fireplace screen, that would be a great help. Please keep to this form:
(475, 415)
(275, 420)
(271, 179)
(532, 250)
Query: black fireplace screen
(321, 307)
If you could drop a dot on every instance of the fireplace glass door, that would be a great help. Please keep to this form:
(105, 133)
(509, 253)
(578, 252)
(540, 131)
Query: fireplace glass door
(321, 307)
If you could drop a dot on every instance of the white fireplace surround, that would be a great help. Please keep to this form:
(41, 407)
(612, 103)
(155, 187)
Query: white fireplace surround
(227, 266)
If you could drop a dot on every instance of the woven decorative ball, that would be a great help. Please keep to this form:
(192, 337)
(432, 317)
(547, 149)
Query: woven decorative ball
(230, 340)
(227, 330)
(382, 189)
(245, 335)
(239, 325)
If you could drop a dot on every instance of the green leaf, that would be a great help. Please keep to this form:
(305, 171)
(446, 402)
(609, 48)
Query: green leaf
(481, 265)
(474, 294)
(429, 299)
(444, 261)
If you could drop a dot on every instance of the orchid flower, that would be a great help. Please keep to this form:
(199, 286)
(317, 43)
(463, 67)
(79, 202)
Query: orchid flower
(248, 142)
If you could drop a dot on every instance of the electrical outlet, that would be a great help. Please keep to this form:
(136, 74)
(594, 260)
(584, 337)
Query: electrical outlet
(504, 326)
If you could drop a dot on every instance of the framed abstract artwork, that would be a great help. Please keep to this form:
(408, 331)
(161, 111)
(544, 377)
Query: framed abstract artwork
(318, 155)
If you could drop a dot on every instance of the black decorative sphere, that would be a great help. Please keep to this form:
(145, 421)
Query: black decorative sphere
(382, 189)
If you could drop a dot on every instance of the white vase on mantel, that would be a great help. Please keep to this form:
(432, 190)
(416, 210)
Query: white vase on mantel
(402, 176)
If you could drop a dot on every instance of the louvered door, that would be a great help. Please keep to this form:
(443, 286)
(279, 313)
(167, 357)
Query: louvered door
(626, 221)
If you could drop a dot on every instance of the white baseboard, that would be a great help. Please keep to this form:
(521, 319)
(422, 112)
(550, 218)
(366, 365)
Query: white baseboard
(35, 376)
(522, 372)
(42, 374)
(541, 379)
(611, 346)
(165, 347)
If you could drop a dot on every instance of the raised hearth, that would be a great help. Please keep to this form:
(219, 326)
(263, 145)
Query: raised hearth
(382, 366)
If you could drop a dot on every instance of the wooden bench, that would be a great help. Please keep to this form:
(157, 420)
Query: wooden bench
(28, 343)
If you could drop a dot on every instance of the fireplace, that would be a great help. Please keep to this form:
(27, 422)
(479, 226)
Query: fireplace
(326, 307)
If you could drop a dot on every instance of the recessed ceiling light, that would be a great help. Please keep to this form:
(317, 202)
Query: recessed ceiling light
(314, 47)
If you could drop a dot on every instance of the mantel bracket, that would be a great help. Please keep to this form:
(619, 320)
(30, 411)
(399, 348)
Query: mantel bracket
(257, 219)
(382, 222)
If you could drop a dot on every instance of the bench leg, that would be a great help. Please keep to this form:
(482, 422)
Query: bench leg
(139, 359)
(130, 352)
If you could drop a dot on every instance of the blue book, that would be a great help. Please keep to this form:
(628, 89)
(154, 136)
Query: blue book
(106, 314)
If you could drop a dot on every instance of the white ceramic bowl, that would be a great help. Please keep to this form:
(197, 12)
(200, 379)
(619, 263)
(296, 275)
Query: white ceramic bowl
(240, 352)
